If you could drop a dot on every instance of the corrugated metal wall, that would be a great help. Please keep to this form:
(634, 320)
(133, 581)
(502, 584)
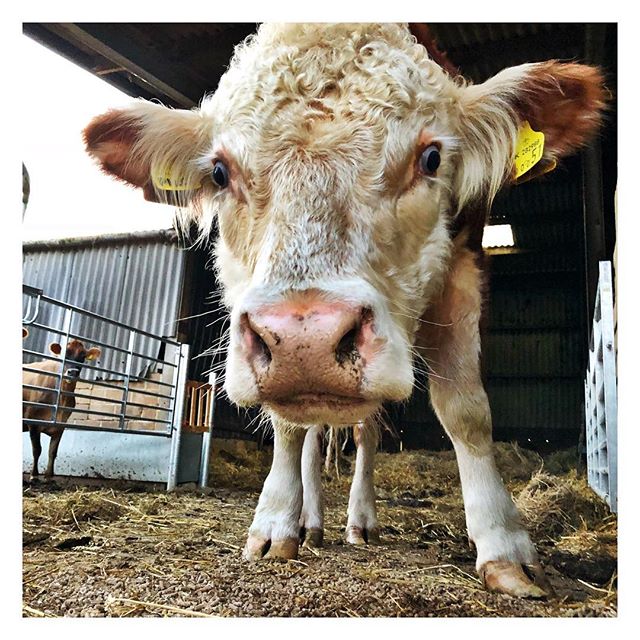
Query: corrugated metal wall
(134, 281)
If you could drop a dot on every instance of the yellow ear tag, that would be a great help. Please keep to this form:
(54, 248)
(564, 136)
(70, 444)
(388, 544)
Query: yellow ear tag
(529, 149)
(163, 180)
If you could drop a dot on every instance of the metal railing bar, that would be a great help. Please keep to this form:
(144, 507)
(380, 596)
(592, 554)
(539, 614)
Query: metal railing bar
(127, 379)
(84, 365)
(75, 394)
(35, 387)
(33, 294)
(177, 406)
(66, 376)
(96, 411)
(148, 406)
(45, 373)
(66, 324)
(70, 409)
(141, 379)
(88, 397)
(97, 316)
(141, 419)
(78, 336)
(151, 393)
(46, 327)
(33, 403)
(145, 357)
(96, 398)
(31, 290)
(91, 412)
(123, 374)
(91, 367)
(99, 383)
(93, 341)
(112, 401)
(80, 427)
(44, 356)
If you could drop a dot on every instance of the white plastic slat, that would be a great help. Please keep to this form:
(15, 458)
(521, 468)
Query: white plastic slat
(601, 396)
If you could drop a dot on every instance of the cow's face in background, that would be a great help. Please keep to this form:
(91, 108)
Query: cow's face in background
(76, 355)
(334, 159)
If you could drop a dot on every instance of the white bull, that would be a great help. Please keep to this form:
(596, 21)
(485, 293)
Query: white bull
(349, 176)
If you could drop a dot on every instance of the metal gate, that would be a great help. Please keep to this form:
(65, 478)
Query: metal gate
(127, 418)
(601, 404)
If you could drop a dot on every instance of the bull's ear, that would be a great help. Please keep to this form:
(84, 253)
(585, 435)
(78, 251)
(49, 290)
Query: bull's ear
(93, 354)
(564, 101)
(55, 348)
(151, 147)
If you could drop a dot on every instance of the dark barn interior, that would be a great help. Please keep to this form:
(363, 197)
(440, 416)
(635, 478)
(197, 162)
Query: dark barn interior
(542, 289)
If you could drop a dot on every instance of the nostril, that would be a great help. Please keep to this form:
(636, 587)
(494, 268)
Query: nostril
(350, 346)
(347, 348)
(261, 350)
(255, 347)
(366, 318)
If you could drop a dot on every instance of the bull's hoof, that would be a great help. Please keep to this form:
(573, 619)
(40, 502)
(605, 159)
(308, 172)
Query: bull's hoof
(313, 537)
(287, 549)
(362, 535)
(258, 547)
(515, 579)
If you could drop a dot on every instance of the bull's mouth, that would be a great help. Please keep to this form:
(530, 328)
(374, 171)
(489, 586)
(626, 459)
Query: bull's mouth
(321, 398)
(323, 407)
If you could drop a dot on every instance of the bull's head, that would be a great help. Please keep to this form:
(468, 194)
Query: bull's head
(335, 159)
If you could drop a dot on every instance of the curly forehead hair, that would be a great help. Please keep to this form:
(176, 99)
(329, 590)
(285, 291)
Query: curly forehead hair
(330, 62)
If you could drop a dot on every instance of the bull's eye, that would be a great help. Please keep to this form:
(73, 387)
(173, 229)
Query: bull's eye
(220, 174)
(430, 160)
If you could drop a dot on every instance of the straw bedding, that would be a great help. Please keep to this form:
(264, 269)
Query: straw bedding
(128, 551)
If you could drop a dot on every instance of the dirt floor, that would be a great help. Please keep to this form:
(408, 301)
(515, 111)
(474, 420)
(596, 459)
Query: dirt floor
(128, 551)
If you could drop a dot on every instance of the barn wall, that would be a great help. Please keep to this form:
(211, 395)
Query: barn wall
(101, 397)
(136, 280)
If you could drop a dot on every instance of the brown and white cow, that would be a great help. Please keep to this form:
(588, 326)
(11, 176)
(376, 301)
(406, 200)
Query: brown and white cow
(348, 174)
(46, 378)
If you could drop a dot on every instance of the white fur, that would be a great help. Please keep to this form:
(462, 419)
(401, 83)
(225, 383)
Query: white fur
(321, 126)
(312, 516)
(361, 511)
(278, 511)
(493, 522)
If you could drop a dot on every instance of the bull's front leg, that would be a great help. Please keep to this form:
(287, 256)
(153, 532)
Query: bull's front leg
(506, 558)
(362, 518)
(312, 516)
(275, 530)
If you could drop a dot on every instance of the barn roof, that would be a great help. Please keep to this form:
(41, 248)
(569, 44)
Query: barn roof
(148, 59)
(164, 236)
